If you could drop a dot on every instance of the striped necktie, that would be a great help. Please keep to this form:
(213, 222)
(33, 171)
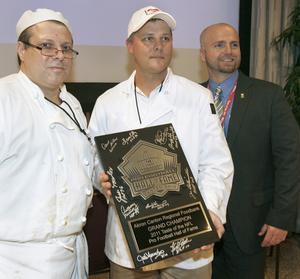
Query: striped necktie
(218, 101)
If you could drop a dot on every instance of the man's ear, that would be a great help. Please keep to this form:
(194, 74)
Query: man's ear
(202, 55)
(129, 46)
(21, 50)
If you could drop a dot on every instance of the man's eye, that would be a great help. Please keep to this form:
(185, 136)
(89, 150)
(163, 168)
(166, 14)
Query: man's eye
(148, 39)
(46, 46)
(220, 45)
(235, 45)
(66, 48)
(166, 39)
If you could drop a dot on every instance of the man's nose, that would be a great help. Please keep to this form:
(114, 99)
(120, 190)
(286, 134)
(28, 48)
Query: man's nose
(59, 54)
(228, 49)
(158, 44)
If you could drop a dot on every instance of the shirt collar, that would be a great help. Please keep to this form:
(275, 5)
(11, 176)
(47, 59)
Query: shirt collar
(156, 90)
(30, 86)
(35, 90)
(226, 85)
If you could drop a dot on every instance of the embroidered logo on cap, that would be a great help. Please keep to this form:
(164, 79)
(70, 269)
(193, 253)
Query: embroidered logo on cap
(151, 11)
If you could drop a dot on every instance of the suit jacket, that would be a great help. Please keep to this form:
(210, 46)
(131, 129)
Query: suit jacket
(264, 141)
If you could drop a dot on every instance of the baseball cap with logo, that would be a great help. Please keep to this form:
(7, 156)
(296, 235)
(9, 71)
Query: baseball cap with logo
(140, 17)
(30, 18)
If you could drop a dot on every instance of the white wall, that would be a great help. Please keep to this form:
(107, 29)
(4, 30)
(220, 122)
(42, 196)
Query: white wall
(100, 28)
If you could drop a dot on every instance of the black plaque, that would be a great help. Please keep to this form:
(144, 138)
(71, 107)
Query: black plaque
(156, 196)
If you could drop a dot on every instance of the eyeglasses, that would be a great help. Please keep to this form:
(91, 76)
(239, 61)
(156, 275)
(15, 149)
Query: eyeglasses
(52, 51)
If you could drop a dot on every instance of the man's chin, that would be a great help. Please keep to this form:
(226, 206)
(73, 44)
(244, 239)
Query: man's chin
(228, 70)
(159, 69)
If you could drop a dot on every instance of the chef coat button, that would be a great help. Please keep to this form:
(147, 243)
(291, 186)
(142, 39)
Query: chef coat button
(64, 190)
(86, 162)
(83, 219)
(60, 157)
(88, 192)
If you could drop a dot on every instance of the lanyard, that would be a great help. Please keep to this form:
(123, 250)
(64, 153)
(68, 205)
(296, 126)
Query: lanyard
(136, 101)
(228, 103)
(74, 119)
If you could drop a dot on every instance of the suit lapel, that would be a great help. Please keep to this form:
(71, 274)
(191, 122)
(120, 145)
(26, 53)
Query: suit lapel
(239, 108)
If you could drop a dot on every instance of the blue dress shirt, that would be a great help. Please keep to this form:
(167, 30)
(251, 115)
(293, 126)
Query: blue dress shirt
(227, 86)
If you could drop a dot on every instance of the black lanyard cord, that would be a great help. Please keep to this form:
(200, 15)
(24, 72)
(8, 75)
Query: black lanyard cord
(137, 105)
(74, 119)
(136, 101)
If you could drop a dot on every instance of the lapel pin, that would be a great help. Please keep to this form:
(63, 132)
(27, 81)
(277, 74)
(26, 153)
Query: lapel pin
(242, 95)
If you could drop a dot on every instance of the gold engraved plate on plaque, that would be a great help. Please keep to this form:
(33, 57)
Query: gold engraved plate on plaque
(151, 170)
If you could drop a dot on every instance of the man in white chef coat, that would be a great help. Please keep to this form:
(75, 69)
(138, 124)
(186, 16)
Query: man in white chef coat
(153, 95)
(46, 158)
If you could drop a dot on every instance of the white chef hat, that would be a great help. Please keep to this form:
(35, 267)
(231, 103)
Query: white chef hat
(140, 17)
(30, 18)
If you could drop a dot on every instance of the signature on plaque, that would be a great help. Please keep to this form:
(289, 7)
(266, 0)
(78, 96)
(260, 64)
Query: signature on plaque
(167, 137)
(156, 205)
(110, 144)
(180, 245)
(190, 183)
(120, 193)
(110, 172)
(130, 211)
(150, 256)
(131, 137)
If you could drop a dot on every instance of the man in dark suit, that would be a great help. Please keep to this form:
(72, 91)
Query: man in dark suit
(263, 137)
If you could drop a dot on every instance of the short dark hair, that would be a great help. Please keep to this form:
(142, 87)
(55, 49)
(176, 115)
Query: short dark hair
(24, 37)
